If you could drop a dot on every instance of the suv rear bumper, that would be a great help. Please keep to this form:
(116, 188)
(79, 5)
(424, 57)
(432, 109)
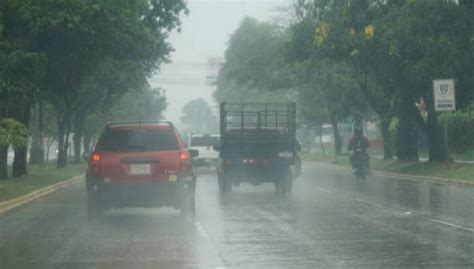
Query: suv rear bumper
(141, 194)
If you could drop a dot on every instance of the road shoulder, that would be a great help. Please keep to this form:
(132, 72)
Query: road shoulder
(32, 196)
(403, 176)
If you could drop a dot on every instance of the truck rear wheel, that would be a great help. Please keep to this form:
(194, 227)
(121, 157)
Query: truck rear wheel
(288, 184)
(278, 186)
(220, 182)
(284, 183)
(225, 184)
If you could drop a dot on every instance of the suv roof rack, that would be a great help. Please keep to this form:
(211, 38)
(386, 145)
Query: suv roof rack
(115, 123)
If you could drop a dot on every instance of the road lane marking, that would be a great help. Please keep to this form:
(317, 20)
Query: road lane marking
(368, 202)
(202, 232)
(323, 190)
(452, 225)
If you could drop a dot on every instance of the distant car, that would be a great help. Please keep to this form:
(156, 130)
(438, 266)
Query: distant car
(138, 164)
(205, 145)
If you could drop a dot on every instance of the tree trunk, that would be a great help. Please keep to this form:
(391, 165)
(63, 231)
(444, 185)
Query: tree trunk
(337, 135)
(386, 137)
(20, 162)
(20, 159)
(77, 144)
(407, 134)
(68, 146)
(49, 143)
(62, 145)
(37, 147)
(87, 143)
(48, 146)
(438, 150)
(3, 162)
(320, 134)
(78, 134)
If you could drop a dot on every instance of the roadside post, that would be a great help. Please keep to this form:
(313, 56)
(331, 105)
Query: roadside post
(444, 101)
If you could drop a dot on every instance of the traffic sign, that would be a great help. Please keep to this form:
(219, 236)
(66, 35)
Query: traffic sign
(444, 95)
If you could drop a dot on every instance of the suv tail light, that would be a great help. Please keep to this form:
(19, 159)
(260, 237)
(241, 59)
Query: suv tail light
(95, 163)
(185, 161)
(95, 157)
(184, 156)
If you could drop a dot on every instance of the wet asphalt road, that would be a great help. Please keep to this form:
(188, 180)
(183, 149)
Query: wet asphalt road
(327, 222)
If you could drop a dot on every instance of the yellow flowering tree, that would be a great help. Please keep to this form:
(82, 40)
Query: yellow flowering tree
(369, 31)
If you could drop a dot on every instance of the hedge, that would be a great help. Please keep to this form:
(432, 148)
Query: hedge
(460, 130)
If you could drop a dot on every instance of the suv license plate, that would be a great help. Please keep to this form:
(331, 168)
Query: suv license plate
(140, 169)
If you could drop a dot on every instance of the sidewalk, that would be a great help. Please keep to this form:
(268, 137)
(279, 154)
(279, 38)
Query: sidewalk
(461, 170)
(425, 159)
(402, 176)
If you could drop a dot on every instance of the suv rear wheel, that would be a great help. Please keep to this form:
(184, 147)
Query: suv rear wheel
(188, 209)
(94, 207)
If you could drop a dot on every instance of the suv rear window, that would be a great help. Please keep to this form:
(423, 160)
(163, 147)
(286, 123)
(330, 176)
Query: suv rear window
(204, 141)
(139, 140)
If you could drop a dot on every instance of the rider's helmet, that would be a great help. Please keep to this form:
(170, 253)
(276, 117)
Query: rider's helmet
(358, 131)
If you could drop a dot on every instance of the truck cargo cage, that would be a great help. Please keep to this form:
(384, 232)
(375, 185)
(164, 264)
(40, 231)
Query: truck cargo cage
(258, 122)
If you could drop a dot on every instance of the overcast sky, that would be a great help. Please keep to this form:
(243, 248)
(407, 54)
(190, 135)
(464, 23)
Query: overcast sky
(205, 32)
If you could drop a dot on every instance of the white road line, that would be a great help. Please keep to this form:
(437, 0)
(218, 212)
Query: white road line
(368, 202)
(323, 190)
(452, 225)
(220, 267)
(202, 232)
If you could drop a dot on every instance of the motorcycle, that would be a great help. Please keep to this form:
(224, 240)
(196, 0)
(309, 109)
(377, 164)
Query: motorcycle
(361, 166)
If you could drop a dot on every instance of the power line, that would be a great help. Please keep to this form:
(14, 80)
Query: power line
(197, 80)
(182, 83)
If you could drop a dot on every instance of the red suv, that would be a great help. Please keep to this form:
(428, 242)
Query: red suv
(140, 164)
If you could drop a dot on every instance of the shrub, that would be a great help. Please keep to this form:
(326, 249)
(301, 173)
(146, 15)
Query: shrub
(460, 130)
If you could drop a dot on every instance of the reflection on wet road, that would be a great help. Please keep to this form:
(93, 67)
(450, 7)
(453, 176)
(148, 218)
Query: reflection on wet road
(327, 222)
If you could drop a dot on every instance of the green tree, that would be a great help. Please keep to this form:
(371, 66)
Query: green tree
(145, 104)
(397, 48)
(12, 133)
(434, 40)
(78, 36)
(198, 117)
(20, 72)
(331, 78)
(254, 57)
(255, 67)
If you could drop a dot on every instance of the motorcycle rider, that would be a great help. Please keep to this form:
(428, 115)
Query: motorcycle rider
(358, 145)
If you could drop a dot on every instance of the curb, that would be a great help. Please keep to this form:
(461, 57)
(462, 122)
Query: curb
(439, 180)
(32, 196)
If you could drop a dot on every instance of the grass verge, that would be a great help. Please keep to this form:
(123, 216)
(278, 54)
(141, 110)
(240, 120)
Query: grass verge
(38, 177)
(449, 171)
